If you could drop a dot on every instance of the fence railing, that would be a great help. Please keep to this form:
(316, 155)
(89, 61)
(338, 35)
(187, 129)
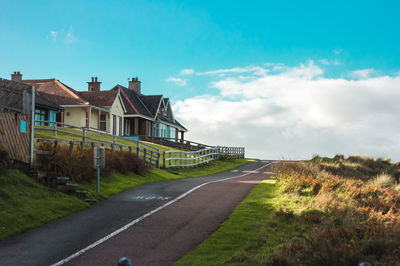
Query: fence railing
(193, 158)
(149, 153)
(181, 144)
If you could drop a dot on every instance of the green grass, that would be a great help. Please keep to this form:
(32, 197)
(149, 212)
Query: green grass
(253, 232)
(118, 182)
(25, 204)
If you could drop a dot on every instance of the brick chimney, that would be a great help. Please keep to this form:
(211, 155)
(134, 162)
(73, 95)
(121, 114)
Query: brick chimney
(16, 77)
(135, 85)
(94, 85)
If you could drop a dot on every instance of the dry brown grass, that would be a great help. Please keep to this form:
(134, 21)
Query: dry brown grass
(361, 220)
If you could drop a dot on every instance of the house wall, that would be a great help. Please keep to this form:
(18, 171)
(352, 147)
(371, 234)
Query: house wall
(117, 110)
(75, 116)
(94, 119)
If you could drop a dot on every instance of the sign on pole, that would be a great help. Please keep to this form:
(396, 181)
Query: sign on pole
(99, 162)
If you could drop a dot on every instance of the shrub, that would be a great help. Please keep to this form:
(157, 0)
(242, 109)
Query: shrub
(5, 161)
(78, 165)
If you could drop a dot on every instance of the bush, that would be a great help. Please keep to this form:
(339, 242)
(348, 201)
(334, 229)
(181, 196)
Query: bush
(78, 165)
(5, 161)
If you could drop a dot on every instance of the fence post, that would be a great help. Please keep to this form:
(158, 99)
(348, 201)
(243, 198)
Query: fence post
(151, 156)
(55, 129)
(138, 149)
(55, 146)
(158, 159)
(130, 149)
(82, 145)
(164, 154)
(185, 159)
(144, 154)
(71, 147)
(83, 134)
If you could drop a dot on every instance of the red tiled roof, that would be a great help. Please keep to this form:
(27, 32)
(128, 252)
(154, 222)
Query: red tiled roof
(99, 98)
(54, 91)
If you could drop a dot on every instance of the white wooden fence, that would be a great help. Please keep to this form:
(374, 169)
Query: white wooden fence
(148, 153)
(193, 158)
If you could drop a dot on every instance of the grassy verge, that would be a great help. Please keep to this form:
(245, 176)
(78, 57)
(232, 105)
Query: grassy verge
(253, 232)
(118, 182)
(322, 212)
(25, 204)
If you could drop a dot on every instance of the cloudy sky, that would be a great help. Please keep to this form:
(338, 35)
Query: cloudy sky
(285, 80)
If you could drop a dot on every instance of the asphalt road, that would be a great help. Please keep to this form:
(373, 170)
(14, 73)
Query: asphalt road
(78, 233)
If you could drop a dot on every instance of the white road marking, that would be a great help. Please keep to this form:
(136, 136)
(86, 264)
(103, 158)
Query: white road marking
(116, 232)
(151, 198)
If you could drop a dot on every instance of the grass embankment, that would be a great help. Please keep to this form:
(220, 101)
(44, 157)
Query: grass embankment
(327, 212)
(25, 204)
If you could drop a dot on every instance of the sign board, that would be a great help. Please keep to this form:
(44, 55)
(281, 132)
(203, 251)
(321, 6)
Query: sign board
(99, 157)
(22, 126)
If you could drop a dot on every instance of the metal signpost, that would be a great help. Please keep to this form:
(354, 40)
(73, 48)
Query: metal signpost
(99, 162)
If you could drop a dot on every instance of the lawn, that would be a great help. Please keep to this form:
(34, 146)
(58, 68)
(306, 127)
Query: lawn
(25, 204)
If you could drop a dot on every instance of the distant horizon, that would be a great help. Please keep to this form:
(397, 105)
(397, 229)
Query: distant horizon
(284, 80)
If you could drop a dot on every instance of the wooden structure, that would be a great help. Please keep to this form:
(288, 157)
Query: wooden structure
(194, 158)
(17, 104)
(181, 144)
(148, 153)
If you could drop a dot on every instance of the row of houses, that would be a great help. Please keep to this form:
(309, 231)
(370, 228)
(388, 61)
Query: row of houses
(121, 111)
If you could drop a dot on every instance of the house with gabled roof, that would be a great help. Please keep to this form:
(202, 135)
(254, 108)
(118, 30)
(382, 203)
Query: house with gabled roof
(148, 115)
(121, 111)
(94, 109)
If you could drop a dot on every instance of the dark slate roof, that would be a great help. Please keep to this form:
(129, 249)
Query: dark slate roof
(9, 84)
(146, 105)
(132, 101)
(99, 98)
(170, 121)
(42, 102)
(152, 102)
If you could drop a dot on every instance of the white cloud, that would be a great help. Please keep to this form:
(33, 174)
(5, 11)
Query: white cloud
(54, 35)
(177, 81)
(186, 72)
(363, 73)
(337, 51)
(70, 36)
(297, 113)
(259, 71)
(324, 61)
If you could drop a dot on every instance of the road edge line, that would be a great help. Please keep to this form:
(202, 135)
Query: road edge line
(123, 228)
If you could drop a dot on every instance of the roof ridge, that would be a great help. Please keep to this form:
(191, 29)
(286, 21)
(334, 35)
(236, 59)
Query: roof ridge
(71, 91)
(129, 100)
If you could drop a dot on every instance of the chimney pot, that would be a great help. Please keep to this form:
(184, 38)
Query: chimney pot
(94, 85)
(135, 85)
(17, 76)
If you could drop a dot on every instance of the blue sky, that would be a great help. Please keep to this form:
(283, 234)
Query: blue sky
(190, 50)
